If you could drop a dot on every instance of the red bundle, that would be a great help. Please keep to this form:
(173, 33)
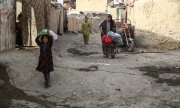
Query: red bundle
(107, 40)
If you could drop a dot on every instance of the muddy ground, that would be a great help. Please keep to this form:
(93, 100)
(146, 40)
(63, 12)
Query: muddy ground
(83, 78)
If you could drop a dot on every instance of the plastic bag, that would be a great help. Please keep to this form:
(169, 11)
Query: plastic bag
(54, 35)
(43, 32)
(117, 38)
(48, 32)
(107, 40)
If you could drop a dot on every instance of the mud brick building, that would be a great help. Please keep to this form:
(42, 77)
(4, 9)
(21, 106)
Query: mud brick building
(7, 24)
(36, 15)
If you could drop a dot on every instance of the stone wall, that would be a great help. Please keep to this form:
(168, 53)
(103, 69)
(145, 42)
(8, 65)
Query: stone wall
(157, 23)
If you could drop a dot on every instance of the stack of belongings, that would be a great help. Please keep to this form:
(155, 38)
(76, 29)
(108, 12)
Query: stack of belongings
(116, 38)
(107, 40)
(48, 32)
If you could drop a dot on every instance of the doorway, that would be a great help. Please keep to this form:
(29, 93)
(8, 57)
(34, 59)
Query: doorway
(34, 18)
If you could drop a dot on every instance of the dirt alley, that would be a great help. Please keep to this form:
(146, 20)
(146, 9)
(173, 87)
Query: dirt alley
(84, 79)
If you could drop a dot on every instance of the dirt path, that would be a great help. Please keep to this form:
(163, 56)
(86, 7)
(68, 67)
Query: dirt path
(84, 79)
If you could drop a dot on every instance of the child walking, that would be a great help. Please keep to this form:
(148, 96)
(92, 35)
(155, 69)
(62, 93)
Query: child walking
(86, 30)
(45, 64)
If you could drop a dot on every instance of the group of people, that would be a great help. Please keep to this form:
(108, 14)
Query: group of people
(105, 26)
(45, 64)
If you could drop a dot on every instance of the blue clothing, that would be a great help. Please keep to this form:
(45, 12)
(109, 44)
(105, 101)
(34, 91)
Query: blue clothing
(45, 48)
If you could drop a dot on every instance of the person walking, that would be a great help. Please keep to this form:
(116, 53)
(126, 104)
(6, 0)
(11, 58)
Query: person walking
(45, 63)
(86, 30)
(105, 26)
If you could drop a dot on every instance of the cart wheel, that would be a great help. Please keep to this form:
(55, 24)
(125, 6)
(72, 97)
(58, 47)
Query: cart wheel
(131, 45)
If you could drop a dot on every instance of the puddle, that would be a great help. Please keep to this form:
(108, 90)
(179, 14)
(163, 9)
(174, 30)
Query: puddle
(169, 104)
(157, 73)
(80, 53)
(89, 69)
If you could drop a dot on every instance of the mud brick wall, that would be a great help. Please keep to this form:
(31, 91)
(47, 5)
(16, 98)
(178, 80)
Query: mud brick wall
(7, 25)
(35, 14)
(157, 23)
(92, 5)
(75, 22)
(56, 19)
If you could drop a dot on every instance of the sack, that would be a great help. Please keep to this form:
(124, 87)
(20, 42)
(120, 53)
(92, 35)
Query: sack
(43, 32)
(116, 38)
(48, 32)
(107, 40)
(54, 35)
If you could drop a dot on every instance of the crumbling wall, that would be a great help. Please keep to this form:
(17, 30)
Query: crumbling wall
(7, 25)
(157, 23)
(35, 15)
(56, 19)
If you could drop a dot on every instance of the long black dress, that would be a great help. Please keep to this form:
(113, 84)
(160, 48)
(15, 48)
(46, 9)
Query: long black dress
(45, 63)
(19, 38)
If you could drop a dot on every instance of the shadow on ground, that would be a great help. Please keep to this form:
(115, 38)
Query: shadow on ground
(89, 69)
(9, 92)
(162, 74)
(150, 40)
(79, 52)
